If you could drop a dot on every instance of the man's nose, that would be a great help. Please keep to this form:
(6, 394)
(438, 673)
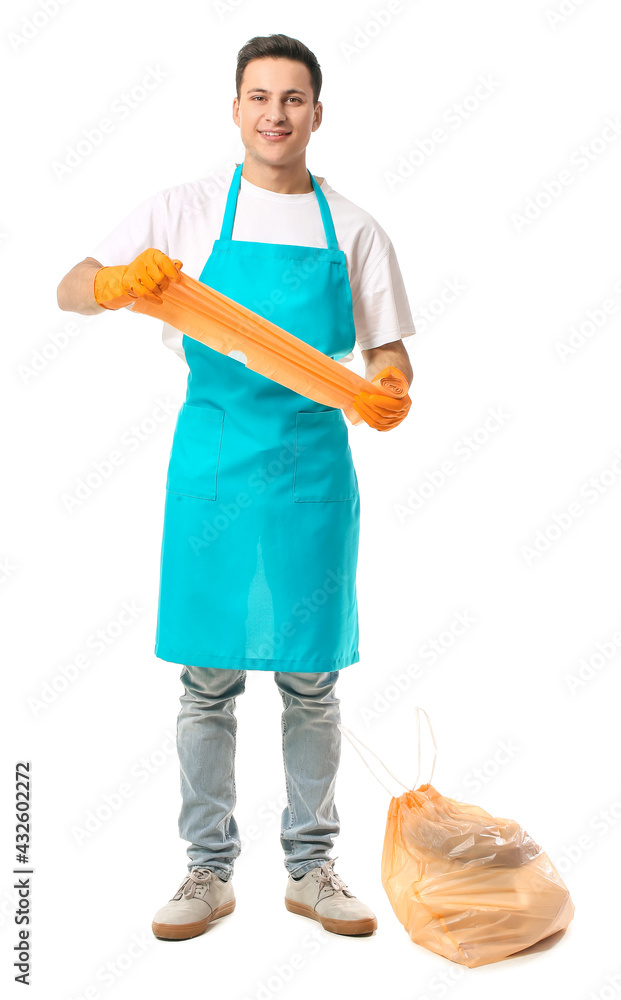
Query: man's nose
(275, 112)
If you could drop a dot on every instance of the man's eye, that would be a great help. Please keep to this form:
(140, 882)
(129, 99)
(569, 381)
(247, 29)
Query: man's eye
(259, 97)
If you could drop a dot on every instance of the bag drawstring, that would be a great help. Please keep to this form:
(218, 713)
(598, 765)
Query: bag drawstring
(349, 734)
(435, 745)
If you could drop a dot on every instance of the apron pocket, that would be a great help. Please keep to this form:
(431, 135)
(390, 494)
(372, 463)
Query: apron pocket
(324, 468)
(195, 453)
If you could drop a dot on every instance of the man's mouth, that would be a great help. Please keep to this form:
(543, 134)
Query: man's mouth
(273, 136)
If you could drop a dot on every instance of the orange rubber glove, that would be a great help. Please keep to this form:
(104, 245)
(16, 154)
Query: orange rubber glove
(147, 275)
(382, 412)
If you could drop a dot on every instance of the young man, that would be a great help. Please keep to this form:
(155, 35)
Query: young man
(261, 524)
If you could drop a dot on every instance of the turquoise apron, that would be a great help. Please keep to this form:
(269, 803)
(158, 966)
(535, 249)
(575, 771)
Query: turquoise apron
(262, 511)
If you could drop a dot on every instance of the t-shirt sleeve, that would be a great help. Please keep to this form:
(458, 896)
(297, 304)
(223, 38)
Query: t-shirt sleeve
(380, 303)
(144, 227)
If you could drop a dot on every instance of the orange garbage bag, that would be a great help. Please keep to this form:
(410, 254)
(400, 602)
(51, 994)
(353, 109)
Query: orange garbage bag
(225, 325)
(466, 885)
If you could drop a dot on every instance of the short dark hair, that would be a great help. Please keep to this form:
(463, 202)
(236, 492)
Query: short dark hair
(278, 47)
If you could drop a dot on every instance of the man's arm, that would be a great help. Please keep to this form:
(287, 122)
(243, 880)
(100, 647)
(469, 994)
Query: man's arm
(388, 354)
(75, 291)
(90, 287)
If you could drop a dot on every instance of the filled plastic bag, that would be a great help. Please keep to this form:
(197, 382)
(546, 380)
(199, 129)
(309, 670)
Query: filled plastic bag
(225, 325)
(472, 887)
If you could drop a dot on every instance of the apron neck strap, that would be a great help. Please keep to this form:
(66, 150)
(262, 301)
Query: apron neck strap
(326, 215)
(231, 204)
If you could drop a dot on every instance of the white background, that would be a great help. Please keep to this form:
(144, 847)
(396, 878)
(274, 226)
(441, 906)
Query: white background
(430, 547)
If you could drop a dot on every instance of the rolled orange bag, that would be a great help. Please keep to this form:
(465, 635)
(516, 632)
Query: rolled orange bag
(381, 413)
(225, 325)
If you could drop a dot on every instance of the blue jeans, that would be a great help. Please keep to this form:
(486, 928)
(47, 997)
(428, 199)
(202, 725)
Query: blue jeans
(311, 744)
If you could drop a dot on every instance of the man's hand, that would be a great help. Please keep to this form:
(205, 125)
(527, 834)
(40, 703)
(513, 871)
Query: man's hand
(147, 276)
(385, 412)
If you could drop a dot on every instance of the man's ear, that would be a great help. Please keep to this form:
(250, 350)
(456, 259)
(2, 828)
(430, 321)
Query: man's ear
(236, 111)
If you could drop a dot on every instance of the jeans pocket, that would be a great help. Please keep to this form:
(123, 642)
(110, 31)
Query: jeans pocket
(195, 452)
(324, 468)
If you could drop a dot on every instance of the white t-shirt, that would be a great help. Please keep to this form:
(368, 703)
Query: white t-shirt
(183, 222)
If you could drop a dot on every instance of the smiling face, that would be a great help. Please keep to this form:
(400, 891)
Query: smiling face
(276, 95)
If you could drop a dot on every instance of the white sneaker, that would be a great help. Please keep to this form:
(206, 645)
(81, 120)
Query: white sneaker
(322, 895)
(202, 897)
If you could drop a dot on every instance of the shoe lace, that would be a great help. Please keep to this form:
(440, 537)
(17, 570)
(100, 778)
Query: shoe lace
(198, 876)
(327, 876)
